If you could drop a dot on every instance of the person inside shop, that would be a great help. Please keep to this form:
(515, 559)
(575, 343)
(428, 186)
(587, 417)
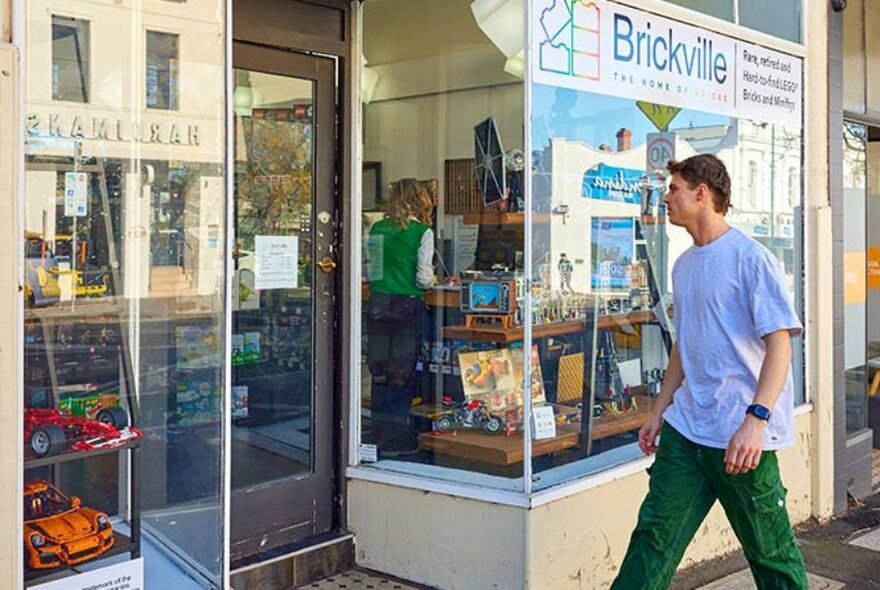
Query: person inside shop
(400, 253)
(727, 402)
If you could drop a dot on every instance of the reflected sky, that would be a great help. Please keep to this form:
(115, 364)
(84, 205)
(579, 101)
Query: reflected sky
(595, 119)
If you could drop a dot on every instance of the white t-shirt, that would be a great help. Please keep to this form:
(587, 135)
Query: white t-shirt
(728, 294)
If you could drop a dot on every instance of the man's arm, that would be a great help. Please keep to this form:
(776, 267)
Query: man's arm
(747, 443)
(674, 376)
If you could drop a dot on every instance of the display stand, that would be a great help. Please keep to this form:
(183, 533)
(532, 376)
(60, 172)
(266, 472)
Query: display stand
(60, 361)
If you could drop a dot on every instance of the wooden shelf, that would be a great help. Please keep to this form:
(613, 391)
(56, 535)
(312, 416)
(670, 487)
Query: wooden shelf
(605, 426)
(496, 333)
(495, 449)
(495, 218)
(443, 298)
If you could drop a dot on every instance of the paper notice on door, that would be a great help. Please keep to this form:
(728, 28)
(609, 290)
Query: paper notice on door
(275, 262)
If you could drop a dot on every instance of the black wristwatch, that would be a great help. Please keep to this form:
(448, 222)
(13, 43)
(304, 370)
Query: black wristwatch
(758, 411)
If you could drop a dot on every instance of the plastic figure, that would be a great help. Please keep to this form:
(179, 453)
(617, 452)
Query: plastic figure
(59, 530)
(472, 414)
(566, 269)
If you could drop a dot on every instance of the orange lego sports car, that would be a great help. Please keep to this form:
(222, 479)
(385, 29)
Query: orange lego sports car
(59, 530)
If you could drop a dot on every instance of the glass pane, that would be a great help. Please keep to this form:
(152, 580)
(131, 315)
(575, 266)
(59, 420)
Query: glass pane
(70, 59)
(854, 279)
(717, 8)
(872, 57)
(272, 319)
(162, 68)
(781, 18)
(441, 370)
(124, 291)
(854, 74)
(873, 275)
(603, 255)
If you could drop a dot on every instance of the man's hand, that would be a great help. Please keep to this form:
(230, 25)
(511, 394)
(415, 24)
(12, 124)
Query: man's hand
(648, 434)
(745, 446)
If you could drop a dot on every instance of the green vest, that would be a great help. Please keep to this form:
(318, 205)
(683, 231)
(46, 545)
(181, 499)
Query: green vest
(393, 255)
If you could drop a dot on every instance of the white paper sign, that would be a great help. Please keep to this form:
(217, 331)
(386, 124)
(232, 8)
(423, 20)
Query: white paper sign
(368, 453)
(275, 262)
(543, 422)
(607, 48)
(75, 194)
(128, 575)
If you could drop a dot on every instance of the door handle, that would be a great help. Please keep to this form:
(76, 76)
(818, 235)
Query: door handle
(326, 264)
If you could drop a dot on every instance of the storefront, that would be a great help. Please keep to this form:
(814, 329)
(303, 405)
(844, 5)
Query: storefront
(226, 378)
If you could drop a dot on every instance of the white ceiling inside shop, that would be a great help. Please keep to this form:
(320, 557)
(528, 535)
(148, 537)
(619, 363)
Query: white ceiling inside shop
(405, 30)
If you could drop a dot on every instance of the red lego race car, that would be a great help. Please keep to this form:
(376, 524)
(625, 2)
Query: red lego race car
(47, 432)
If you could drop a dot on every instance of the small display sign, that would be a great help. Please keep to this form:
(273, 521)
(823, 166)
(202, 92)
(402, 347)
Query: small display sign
(76, 194)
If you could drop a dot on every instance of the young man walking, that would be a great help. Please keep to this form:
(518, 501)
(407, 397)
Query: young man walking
(726, 403)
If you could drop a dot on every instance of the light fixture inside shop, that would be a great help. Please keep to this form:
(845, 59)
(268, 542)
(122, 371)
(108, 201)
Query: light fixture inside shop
(502, 22)
(369, 81)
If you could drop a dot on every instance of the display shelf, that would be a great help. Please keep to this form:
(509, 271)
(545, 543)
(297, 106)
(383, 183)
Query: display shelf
(496, 449)
(501, 335)
(31, 462)
(444, 297)
(505, 218)
(605, 426)
(121, 544)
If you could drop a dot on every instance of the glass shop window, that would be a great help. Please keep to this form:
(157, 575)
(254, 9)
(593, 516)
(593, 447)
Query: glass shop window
(162, 70)
(70, 59)
(780, 18)
(603, 254)
(442, 258)
(124, 300)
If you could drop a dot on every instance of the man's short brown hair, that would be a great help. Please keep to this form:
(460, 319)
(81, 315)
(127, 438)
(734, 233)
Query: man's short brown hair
(709, 170)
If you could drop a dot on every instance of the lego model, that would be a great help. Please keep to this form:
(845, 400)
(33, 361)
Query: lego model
(47, 432)
(40, 279)
(59, 530)
(472, 414)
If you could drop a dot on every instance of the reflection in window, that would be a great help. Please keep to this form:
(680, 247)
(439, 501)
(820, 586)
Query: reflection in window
(793, 186)
(752, 186)
(70, 59)
(162, 70)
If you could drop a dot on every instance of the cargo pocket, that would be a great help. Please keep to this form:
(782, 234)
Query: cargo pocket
(770, 521)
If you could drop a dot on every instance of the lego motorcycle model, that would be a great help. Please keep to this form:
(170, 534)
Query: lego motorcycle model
(469, 415)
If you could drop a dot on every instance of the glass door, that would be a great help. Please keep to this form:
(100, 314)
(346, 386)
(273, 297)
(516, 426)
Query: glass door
(283, 303)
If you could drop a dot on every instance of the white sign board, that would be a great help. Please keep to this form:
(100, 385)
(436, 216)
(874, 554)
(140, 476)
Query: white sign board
(128, 575)
(543, 422)
(660, 149)
(76, 194)
(607, 48)
(275, 262)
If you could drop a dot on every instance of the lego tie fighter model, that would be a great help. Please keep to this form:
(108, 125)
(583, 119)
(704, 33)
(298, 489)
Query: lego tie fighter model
(497, 171)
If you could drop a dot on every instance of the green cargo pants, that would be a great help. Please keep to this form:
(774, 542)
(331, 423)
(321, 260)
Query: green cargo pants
(686, 479)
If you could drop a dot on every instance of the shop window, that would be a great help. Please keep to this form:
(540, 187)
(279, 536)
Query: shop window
(70, 59)
(162, 70)
(854, 276)
(433, 394)
(794, 184)
(593, 284)
(124, 302)
(854, 67)
(781, 18)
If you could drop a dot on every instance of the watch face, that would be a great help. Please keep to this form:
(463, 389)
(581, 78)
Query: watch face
(759, 412)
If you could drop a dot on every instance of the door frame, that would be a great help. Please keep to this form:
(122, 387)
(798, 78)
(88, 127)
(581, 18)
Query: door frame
(252, 536)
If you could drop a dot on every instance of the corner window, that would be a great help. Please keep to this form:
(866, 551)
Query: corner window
(781, 18)
(162, 70)
(70, 59)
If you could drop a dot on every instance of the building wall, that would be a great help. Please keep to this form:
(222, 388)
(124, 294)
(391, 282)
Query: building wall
(575, 543)
(435, 539)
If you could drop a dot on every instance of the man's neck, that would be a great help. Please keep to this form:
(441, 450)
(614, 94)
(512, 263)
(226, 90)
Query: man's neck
(708, 230)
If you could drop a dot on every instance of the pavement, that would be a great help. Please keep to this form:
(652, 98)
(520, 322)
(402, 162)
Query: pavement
(841, 554)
